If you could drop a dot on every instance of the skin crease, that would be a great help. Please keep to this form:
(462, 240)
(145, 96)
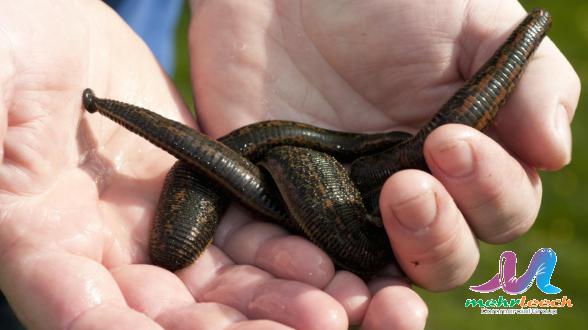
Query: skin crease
(77, 192)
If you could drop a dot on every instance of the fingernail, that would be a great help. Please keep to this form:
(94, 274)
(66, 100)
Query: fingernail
(418, 212)
(455, 159)
(562, 125)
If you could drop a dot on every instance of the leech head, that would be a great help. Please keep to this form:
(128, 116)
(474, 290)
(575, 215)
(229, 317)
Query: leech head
(88, 99)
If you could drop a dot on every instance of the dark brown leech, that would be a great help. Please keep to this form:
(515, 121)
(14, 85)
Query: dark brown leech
(475, 104)
(178, 227)
(228, 169)
(254, 140)
(186, 218)
(328, 207)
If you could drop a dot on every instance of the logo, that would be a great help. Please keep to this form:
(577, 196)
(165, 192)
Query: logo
(540, 270)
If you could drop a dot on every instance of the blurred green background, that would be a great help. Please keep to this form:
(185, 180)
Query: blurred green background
(561, 225)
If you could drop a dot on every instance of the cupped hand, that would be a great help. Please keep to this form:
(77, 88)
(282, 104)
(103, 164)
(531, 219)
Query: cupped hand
(387, 65)
(77, 193)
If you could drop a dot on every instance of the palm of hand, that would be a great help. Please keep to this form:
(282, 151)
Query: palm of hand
(353, 66)
(61, 229)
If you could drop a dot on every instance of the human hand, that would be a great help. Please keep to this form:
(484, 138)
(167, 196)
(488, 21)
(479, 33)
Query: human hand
(383, 65)
(77, 192)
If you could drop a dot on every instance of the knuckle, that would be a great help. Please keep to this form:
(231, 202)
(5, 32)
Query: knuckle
(510, 230)
(505, 208)
(451, 256)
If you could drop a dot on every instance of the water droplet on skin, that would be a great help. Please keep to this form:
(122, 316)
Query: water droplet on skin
(53, 216)
(240, 46)
(119, 161)
(83, 157)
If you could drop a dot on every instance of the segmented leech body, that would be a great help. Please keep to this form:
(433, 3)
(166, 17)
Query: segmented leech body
(226, 167)
(253, 141)
(323, 203)
(328, 207)
(190, 208)
(475, 105)
(186, 217)
(181, 230)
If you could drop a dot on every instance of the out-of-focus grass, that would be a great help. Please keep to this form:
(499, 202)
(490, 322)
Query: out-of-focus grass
(561, 225)
(182, 74)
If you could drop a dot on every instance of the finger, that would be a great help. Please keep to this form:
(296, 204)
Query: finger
(258, 295)
(498, 196)
(430, 238)
(198, 276)
(233, 219)
(244, 242)
(534, 124)
(67, 289)
(352, 293)
(150, 289)
(285, 256)
(200, 316)
(162, 296)
(385, 312)
(295, 258)
(112, 317)
(391, 275)
(203, 316)
(379, 283)
(258, 325)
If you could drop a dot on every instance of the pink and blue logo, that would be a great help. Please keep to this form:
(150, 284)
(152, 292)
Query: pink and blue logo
(540, 270)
